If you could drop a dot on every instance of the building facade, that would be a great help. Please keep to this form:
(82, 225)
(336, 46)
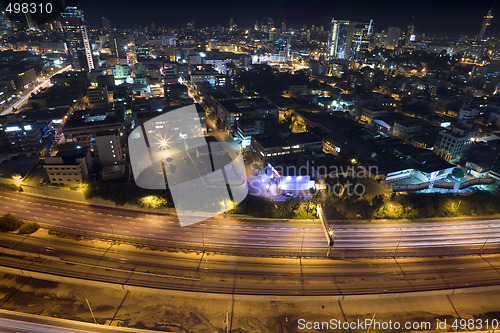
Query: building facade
(69, 167)
(77, 40)
(348, 39)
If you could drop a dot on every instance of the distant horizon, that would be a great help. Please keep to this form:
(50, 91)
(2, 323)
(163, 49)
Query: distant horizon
(442, 18)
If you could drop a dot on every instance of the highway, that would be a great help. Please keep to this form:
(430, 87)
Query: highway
(259, 236)
(126, 265)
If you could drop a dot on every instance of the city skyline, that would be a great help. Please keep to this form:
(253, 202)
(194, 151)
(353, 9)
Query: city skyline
(174, 166)
(461, 18)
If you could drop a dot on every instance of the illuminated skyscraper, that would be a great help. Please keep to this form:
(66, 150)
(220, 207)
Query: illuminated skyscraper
(348, 39)
(5, 25)
(77, 40)
(486, 23)
(282, 47)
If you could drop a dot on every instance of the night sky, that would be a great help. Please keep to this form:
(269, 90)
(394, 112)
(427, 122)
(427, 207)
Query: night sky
(448, 17)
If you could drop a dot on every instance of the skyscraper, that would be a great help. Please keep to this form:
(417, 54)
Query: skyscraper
(348, 38)
(77, 40)
(30, 23)
(5, 25)
(282, 47)
(393, 37)
(106, 23)
(486, 23)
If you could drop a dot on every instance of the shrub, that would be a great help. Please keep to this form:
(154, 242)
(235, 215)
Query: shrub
(10, 187)
(152, 201)
(28, 228)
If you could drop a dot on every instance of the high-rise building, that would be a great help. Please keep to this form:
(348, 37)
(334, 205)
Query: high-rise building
(77, 40)
(393, 37)
(282, 47)
(106, 23)
(486, 23)
(30, 23)
(270, 23)
(5, 25)
(409, 34)
(348, 38)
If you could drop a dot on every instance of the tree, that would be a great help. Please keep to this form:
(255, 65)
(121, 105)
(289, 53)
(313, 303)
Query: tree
(458, 173)
(389, 209)
(9, 223)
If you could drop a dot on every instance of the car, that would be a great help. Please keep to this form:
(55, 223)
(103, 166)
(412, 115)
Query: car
(288, 194)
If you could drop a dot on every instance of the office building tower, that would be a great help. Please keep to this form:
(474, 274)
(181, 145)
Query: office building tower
(348, 38)
(393, 37)
(486, 23)
(77, 41)
(282, 47)
(409, 34)
(270, 23)
(283, 26)
(6, 27)
(32, 26)
(106, 23)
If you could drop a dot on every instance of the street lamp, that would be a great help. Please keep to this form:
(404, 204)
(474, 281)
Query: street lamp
(330, 241)
(399, 242)
(487, 238)
(203, 236)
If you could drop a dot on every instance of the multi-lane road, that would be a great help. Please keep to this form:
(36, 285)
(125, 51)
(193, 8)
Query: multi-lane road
(128, 266)
(257, 236)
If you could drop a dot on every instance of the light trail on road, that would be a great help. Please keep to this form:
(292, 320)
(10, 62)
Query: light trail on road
(17, 104)
(122, 265)
(257, 234)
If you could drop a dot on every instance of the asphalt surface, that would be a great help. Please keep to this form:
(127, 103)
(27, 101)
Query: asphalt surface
(259, 236)
(126, 265)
